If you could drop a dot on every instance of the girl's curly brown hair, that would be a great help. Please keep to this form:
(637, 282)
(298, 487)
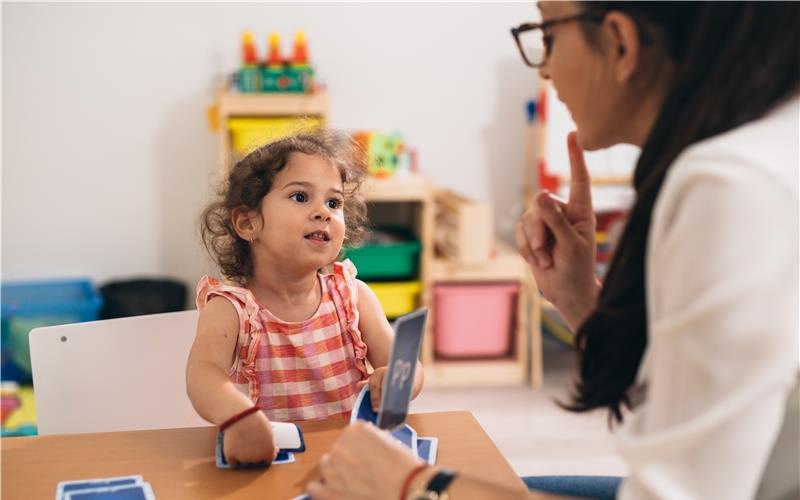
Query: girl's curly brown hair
(251, 179)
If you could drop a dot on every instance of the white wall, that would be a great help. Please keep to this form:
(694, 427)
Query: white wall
(107, 158)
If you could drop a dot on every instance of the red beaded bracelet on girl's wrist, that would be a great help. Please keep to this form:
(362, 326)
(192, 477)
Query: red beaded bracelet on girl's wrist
(224, 425)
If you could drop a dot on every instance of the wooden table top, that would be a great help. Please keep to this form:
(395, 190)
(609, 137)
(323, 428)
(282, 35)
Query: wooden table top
(180, 463)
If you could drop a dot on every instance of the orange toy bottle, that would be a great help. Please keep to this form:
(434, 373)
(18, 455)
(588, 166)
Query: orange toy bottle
(274, 53)
(249, 57)
(300, 55)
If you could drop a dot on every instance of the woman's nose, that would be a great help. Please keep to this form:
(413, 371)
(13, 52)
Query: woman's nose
(543, 72)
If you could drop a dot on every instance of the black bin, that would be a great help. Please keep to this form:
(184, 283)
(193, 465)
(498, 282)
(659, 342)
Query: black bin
(142, 296)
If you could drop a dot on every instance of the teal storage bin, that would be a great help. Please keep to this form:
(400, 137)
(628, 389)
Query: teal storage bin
(29, 305)
(387, 255)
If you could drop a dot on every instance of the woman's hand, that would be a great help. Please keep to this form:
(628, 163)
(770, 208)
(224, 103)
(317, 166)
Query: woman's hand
(365, 463)
(557, 240)
(250, 441)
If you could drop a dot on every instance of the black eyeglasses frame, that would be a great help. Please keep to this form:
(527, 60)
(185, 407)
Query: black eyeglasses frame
(547, 39)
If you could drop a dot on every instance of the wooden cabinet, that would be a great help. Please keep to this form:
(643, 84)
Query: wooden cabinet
(410, 201)
(525, 362)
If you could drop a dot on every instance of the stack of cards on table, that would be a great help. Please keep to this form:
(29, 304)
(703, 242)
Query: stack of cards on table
(106, 488)
(424, 447)
(287, 436)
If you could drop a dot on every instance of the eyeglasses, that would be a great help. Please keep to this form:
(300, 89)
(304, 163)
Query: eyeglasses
(535, 43)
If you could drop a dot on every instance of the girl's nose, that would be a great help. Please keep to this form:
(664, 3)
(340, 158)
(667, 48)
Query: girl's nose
(322, 214)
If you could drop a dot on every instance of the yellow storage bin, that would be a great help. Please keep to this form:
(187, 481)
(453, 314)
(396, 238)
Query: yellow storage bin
(249, 133)
(397, 298)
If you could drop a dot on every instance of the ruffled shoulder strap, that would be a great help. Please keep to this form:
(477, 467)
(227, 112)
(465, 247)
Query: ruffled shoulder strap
(251, 325)
(242, 299)
(343, 288)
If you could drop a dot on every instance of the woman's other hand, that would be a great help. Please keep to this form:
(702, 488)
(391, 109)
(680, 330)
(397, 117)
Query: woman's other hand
(557, 240)
(365, 463)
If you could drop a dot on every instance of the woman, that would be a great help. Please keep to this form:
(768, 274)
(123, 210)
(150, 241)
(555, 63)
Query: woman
(691, 341)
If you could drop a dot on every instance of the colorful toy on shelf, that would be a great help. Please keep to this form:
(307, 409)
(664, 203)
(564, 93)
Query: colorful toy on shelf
(274, 50)
(18, 410)
(386, 153)
(249, 57)
(300, 56)
(249, 75)
(610, 224)
(275, 74)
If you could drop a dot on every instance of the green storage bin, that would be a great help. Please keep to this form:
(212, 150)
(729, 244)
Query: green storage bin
(386, 261)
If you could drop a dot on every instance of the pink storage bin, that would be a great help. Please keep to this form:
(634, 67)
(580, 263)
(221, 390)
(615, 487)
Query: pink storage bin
(474, 320)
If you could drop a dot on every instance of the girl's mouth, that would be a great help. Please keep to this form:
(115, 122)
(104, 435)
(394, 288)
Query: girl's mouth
(318, 236)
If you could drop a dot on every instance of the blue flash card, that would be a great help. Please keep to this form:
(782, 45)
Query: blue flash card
(141, 491)
(427, 447)
(408, 436)
(362, 409)
(399, 379)
(88, 484)
(283, 457)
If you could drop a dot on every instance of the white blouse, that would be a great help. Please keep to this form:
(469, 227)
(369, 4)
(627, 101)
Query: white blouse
(722, 304)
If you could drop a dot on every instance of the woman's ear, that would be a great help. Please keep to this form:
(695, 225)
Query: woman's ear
(246, 223)
(624, 44)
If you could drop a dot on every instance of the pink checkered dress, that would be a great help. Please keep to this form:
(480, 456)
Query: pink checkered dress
(298, 371)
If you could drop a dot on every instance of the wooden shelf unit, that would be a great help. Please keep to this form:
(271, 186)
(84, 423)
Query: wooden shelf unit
(526, 363)
(260, 105)
(416, 191)
(506, 265)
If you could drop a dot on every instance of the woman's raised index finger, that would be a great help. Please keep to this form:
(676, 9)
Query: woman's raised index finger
(580, 184)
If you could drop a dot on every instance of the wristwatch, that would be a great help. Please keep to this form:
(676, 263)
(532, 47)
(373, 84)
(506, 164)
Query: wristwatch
(437, 486)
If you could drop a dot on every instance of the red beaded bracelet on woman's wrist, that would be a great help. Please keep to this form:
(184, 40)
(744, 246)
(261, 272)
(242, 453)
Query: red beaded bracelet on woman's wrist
(410, 477)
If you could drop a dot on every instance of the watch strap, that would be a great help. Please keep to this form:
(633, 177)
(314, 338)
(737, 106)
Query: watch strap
(441, 480)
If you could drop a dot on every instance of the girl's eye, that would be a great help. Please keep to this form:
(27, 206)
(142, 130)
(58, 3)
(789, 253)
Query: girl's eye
(299, 197)
(334, 203)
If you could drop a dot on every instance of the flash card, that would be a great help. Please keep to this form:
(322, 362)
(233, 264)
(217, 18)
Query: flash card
(283, 457)
(87, 484)
(141, 491)
(427, 448)
(362, 409)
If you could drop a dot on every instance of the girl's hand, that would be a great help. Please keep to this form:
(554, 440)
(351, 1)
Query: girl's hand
(364, 463)
(557, 240)
(250, 441)
(375, 382)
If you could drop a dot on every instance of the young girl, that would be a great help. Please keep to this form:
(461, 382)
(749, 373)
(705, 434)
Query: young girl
(279, 335)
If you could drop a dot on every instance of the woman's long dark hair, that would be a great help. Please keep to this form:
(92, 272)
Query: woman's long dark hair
(733, 63)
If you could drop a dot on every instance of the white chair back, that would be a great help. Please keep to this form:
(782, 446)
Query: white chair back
(113, 375)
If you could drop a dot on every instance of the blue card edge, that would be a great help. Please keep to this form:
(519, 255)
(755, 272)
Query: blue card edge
(136, 478)
(222, 462)
(302, 447)
(147, 489)
(433, 449)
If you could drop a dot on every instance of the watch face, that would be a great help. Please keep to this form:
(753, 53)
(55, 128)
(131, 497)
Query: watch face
(426, 495)
(431, 495)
